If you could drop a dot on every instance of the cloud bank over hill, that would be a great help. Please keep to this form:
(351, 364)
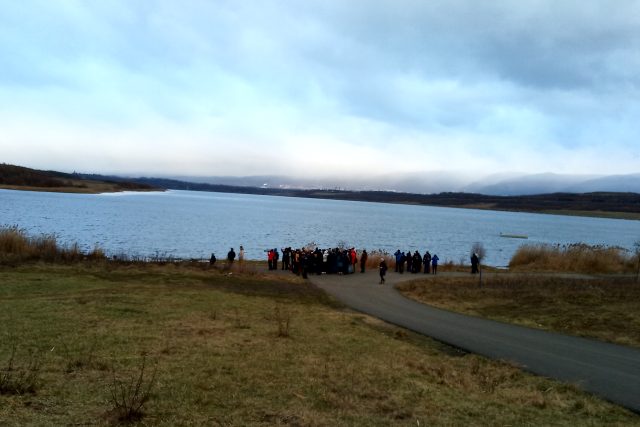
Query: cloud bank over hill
(429, 183)
(321, 88)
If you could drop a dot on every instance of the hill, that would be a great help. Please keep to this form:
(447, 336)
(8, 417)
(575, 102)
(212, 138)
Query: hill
(601, 204)
(22, 178)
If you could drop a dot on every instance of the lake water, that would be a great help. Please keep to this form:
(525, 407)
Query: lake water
(188, 224)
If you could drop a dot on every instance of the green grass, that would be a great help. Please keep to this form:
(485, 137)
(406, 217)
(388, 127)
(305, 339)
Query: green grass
(215, 344)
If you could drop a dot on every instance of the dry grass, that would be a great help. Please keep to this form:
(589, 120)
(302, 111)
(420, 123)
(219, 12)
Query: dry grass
(374, 258)
(579, 258)
(607, 308)
(17, 246)
(220, 359)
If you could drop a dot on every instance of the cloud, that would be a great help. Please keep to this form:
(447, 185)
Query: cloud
(321, 87)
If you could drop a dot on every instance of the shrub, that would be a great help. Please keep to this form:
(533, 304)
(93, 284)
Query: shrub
(373, 260)
(20, 378)
(283, 320)
(573, 258)
(16, 246)
(128, 397)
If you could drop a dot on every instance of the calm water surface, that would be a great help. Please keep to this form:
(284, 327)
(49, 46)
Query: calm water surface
(189, 224)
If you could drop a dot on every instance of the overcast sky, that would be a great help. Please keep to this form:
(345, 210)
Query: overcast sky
(320, 88)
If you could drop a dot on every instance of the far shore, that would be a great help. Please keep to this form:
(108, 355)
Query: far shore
(87, 187)
(97, 188)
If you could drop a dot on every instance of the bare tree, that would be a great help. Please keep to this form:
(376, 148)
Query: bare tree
(478, 249)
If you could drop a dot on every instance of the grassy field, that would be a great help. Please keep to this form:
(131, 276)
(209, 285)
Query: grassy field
(602, 307)
(241, 349)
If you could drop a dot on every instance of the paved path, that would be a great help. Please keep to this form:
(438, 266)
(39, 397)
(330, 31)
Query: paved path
(608, 370)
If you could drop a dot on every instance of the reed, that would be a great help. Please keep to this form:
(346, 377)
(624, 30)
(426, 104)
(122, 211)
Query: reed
(16, 245)
(579, 258)
(375, 256)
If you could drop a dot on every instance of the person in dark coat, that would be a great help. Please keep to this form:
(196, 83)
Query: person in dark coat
(475, 261)
(212, 260)
(231, 256)
(409, 259)
(363, 260)
(383, 270)
(304, 263)
(426, 260)
(286, 253)
(417, 262)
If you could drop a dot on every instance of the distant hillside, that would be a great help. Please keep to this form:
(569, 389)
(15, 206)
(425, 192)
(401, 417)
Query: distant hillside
(610, 204)
(432, 182)
(22, 178)
(556, 183)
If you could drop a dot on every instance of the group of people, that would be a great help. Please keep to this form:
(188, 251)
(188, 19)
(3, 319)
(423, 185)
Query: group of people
(318, 261)
(414, 262)
(306, 261)
(231, 257)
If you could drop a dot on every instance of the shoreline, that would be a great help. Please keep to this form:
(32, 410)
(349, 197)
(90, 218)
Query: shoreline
(98, 189)
(101, 188)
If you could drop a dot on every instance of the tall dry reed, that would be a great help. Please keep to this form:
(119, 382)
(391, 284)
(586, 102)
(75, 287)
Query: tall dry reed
(17, 245)
(579, 258)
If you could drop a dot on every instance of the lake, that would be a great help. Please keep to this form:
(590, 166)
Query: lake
(187, 224)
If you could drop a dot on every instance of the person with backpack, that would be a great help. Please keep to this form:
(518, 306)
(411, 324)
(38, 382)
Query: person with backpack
(426, 260)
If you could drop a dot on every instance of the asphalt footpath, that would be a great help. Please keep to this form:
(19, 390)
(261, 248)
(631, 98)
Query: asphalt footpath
(607, 370)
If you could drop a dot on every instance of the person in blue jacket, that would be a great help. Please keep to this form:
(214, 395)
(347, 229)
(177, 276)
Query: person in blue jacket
(434, 264)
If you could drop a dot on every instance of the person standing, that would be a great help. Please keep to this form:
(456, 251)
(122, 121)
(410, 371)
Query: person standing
(417, 262)
(426, 260)
(409, 261)
(383, 270)
(403, 259)
(398, 256)
(241, 255)
(353, 257)
(276, 257)
(212, 260)
(270, 259)
(231, 256)
(434, 264)
(474, 263)
(363, 260)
